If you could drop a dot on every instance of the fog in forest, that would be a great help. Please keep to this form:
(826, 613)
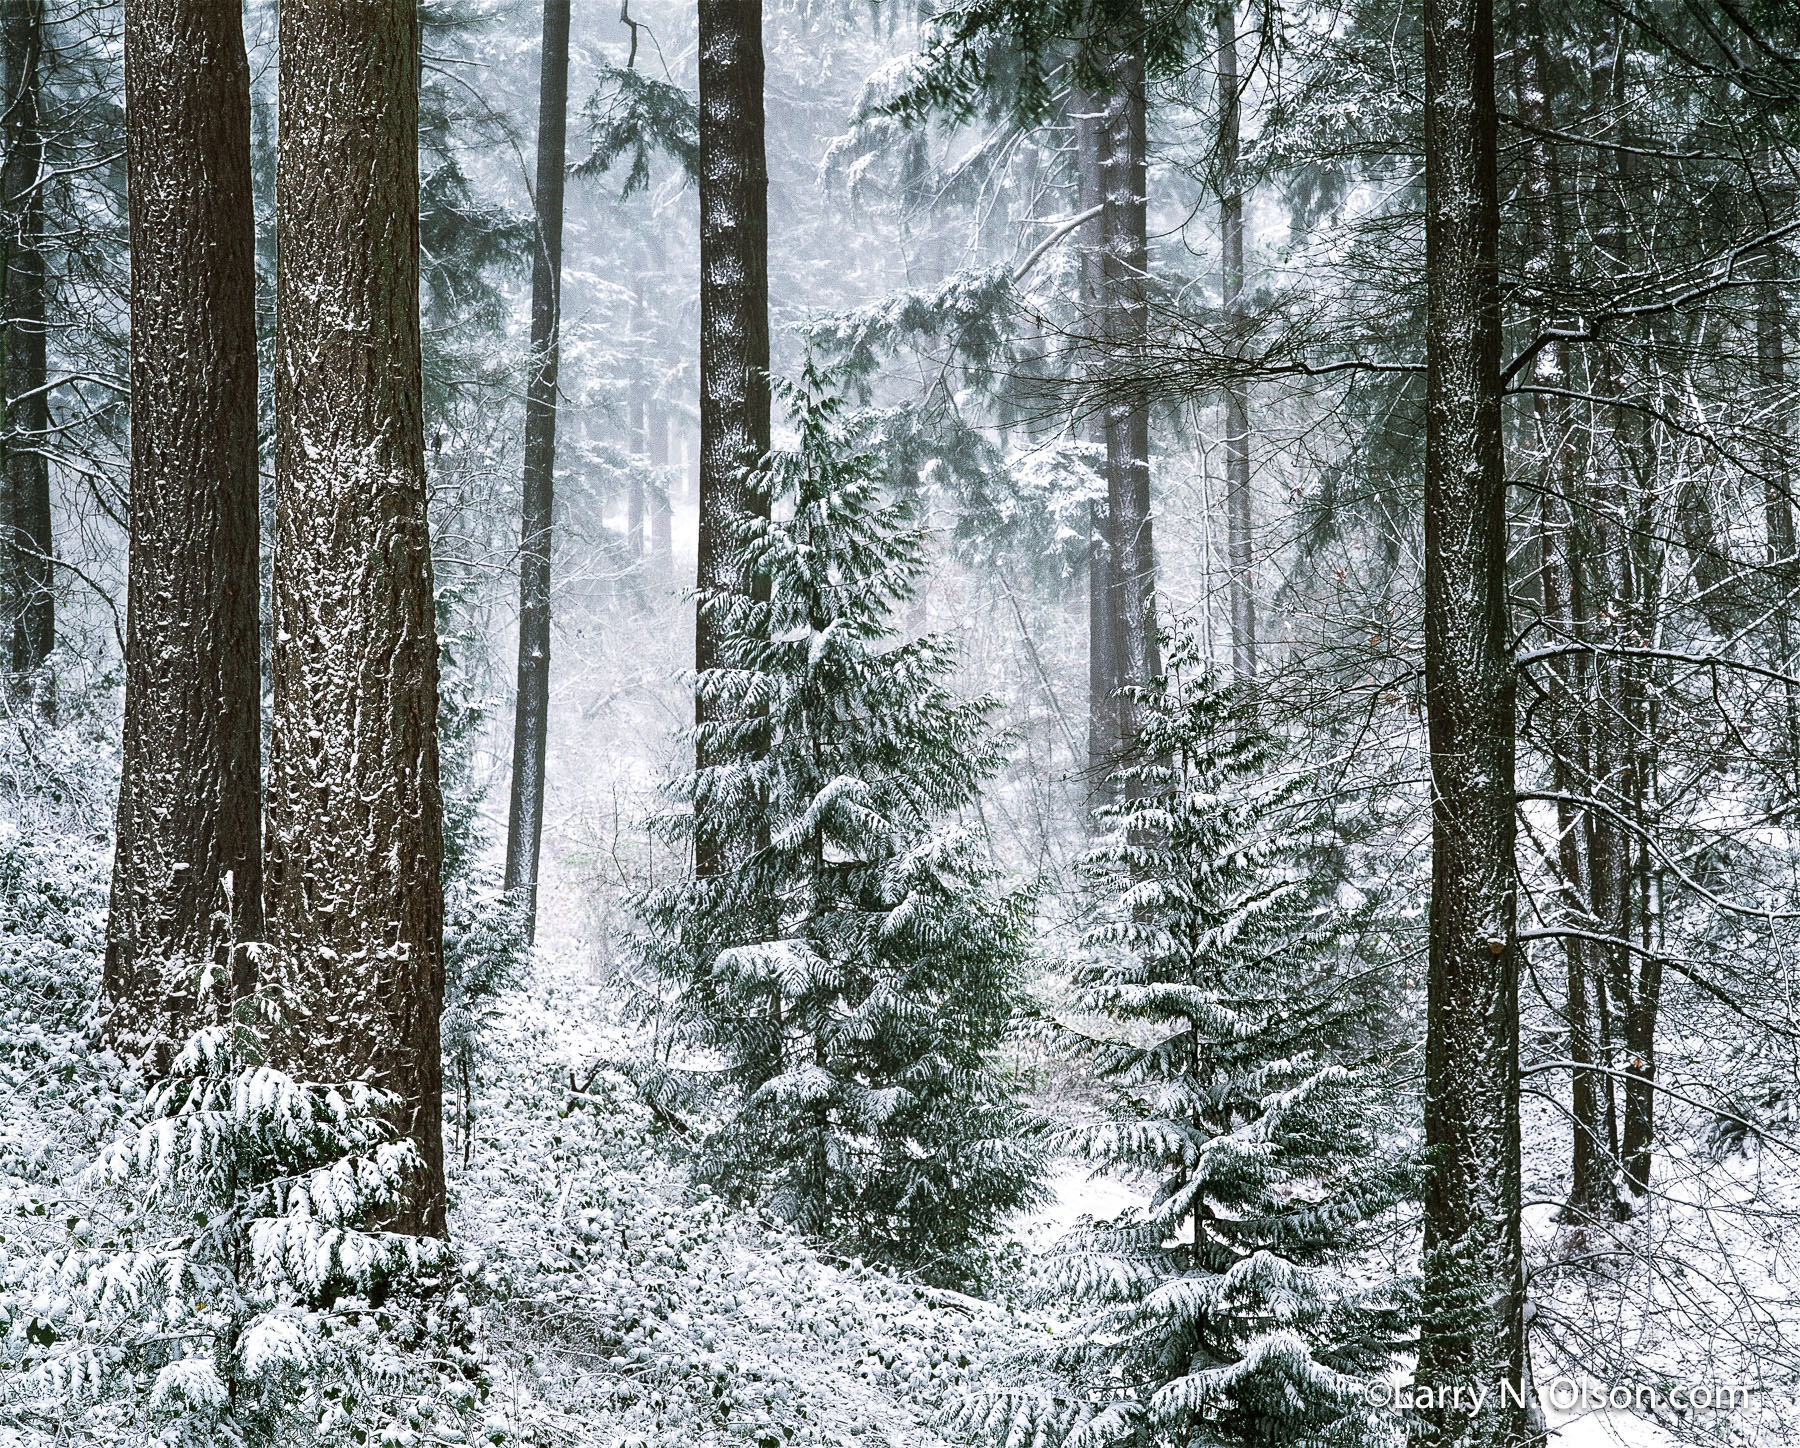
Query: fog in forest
(1037, 723)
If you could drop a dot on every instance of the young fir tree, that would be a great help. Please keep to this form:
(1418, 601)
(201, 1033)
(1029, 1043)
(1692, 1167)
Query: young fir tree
(1220, 1005)
(854, 962)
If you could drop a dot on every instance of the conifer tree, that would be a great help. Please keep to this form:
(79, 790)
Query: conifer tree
(1223, 1012)
(854, 961)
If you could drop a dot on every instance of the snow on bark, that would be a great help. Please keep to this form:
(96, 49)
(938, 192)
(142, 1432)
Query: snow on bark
(1124, 228)
(187, 872)
(734, 310)
(1472, 1308)
(354, 828)
(525, 822)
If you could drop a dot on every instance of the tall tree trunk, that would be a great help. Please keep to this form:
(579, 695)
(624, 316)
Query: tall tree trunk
(187, 870)
(354, 845)
(1087, 112)
(30, 572)
(734, 331)
(531, 716)
(1778, 509)
(1124, 225)
(1627, 562)
(1472, 1306)
(1239, 536)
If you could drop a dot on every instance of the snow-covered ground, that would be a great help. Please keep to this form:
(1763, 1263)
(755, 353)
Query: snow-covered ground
(623, 1307)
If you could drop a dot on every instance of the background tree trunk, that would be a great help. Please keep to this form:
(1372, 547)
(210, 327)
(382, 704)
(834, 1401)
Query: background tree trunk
(30, 571)
(525, 818)
(1561, 479)
(662, 521)
(1778, 507)
(187, 870)
(734, 322)
(1472, 1319)
(1087, 114)
(1124, 230)
(638, 423)
(1239, 535)
(354, 846)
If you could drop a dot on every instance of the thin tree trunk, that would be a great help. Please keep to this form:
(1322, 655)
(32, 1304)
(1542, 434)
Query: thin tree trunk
(1778, 508)
(28, 526)
(734, 334)
(1239, 536)
(1087, 114)
(1124, 226)
(354, 844)
(187, 868)
(1547, 255)
(531, 717)
(1628, 560)
(638, 422)
(1472, 1304)
(1607, 584)
(662, 520)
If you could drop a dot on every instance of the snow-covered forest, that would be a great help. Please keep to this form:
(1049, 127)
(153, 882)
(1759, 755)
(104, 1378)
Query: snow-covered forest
(1007, 723)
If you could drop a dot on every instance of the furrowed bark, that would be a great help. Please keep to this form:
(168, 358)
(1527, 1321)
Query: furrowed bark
(30, 573)
(1239, 537)
(531, 717)
(1471, 1311)
(354, 842)
(187, 869)
(734, 332)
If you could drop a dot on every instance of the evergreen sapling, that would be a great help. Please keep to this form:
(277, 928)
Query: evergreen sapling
(854, 965)
(1222, 1011)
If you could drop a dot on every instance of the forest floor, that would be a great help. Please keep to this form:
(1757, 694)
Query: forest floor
(626, 1306)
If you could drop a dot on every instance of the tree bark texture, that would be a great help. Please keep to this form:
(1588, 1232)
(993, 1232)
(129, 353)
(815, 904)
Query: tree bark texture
(734, 326)
(1472, 1318)
(354, 842)
(30, 572)
(187, 869)
(531, 716)
(1239, 537)
(1125, 245)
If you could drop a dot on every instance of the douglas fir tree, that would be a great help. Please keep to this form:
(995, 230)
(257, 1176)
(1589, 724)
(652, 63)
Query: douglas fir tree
(852, 960)
(1220, 1007)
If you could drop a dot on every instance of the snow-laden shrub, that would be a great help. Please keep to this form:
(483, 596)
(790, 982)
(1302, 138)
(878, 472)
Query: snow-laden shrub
(219, 1274)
